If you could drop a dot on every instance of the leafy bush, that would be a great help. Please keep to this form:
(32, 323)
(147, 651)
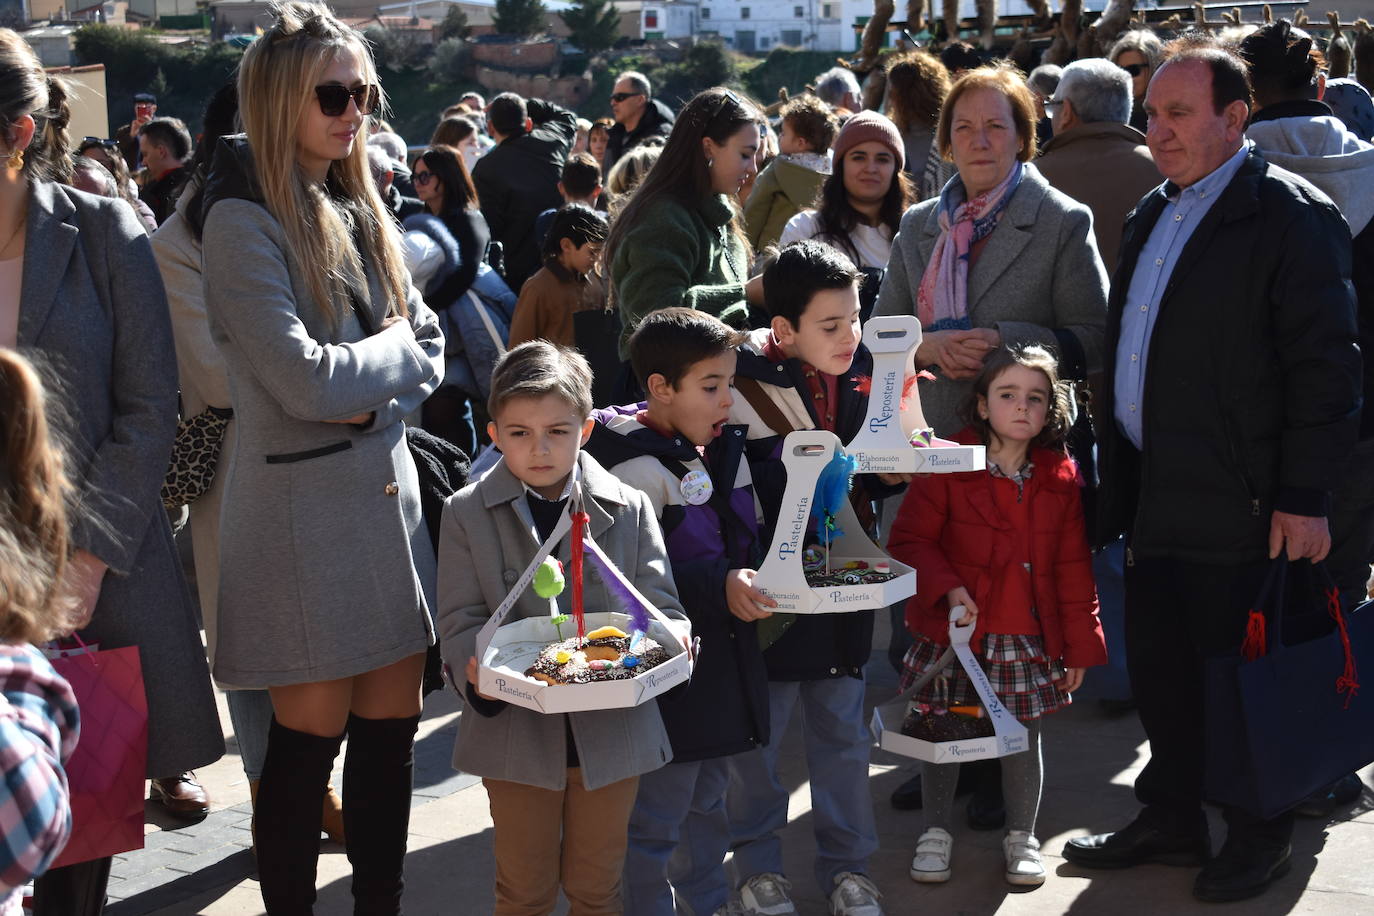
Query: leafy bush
(451, 62)
(786, 67)
(135, 63)
(521, 18)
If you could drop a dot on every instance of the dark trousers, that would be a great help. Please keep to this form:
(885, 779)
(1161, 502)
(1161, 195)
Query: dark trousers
(73, 890)
(1177, 614)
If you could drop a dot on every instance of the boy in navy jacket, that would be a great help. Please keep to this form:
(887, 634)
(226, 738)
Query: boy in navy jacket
(679, 450)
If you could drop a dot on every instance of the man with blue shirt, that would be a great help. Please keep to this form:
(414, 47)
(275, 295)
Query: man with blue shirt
(1232, 400)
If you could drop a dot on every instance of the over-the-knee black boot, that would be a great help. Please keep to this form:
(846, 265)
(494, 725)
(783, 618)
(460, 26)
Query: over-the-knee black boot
(378, 772)
(294, 777)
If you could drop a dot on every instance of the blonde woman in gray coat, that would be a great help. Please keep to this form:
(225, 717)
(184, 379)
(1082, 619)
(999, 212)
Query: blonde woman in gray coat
(326, 569)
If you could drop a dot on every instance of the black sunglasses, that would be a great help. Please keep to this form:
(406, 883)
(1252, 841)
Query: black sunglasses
(422, 178)
(1134, 69)
(622, 96)
(88, 142)
(334, 99)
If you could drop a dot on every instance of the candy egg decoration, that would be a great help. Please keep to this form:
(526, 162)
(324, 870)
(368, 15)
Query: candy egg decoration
(548, 579)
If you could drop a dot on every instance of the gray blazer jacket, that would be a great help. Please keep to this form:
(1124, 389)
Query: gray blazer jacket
(326, 568)
(1038, 273)
(484, 546)
(92, 310)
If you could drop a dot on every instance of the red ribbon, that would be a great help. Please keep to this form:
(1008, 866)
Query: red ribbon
(1348, 683)
(579, 522)
(1256, 643)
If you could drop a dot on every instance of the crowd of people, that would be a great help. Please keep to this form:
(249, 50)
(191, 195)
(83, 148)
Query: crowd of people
(1143, 282)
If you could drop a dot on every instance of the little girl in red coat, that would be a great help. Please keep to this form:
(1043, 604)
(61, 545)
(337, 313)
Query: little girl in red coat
(1008, 544)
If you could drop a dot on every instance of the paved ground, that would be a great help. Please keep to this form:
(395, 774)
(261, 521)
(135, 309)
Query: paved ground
(1091, 761)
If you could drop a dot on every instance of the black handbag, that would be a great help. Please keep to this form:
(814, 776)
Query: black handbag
(1285, 715)
(195, 453)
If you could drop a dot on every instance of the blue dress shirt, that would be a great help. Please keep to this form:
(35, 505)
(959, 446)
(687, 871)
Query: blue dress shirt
(1153, 268)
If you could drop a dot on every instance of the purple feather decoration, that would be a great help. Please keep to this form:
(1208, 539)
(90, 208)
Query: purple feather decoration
(619, 588)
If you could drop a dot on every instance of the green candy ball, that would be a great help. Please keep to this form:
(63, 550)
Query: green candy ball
(548, 579)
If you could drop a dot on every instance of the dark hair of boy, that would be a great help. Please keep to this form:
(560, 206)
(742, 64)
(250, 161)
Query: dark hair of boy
(171, 133)
(1031, 356)
(579, 224)
(507, 114)
(581, 175)
(536, 369)
(801, 270)
(812, 121)
(671, 341)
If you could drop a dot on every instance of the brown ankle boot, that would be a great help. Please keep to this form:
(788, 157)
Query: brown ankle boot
(331, 818)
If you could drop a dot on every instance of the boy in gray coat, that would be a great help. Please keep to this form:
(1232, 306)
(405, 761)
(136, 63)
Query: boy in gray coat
(561, 786)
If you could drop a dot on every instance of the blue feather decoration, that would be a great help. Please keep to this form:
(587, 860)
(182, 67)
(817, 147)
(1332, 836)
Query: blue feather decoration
(832, 489)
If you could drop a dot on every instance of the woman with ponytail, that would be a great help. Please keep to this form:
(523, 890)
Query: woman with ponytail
(80, 293)
(680, 240)
(326, 568)
(38, 713)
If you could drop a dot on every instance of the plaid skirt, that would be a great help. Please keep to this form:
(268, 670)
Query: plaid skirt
(1021, 676)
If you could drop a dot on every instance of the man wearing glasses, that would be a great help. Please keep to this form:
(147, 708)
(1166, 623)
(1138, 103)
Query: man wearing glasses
(638, 117)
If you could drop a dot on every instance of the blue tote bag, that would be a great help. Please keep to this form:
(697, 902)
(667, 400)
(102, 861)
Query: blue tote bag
(1286, 715)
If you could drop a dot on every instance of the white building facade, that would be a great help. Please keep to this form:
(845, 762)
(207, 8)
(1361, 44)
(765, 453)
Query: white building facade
(761, 25)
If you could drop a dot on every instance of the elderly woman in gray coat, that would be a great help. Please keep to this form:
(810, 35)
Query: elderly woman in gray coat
(80, 295)
(326, 568)
(1000, 258)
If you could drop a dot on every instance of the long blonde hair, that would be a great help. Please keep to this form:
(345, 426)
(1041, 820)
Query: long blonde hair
(277, 80)
(34, 491)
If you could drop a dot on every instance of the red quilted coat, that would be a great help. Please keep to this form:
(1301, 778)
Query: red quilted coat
(956, 529)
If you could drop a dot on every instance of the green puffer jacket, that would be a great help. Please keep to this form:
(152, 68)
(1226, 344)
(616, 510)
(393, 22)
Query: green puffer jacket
(678, 255)
(782, 190)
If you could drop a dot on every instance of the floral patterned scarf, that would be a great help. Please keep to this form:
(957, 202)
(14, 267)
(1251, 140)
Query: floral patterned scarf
(942, 301)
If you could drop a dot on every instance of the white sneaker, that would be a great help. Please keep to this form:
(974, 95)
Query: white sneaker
(1024, 866)
(934, 849)
(855, 895)
(766, 895)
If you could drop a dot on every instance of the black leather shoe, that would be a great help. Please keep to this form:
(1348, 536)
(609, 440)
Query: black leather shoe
(986, 809)
(1241, 871)
(1139, 843)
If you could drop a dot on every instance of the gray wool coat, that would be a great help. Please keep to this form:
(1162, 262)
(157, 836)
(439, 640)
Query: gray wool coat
(204, 383)
(1038, 273)
(326, 568)
(93, 313)
(485, 543)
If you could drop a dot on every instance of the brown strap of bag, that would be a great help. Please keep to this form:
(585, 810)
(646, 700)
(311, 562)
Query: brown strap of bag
(763, 405)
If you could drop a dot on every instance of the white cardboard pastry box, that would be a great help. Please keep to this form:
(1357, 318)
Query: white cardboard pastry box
(805, 454)
(894, 438)
(1009, 735)
(505, 650)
